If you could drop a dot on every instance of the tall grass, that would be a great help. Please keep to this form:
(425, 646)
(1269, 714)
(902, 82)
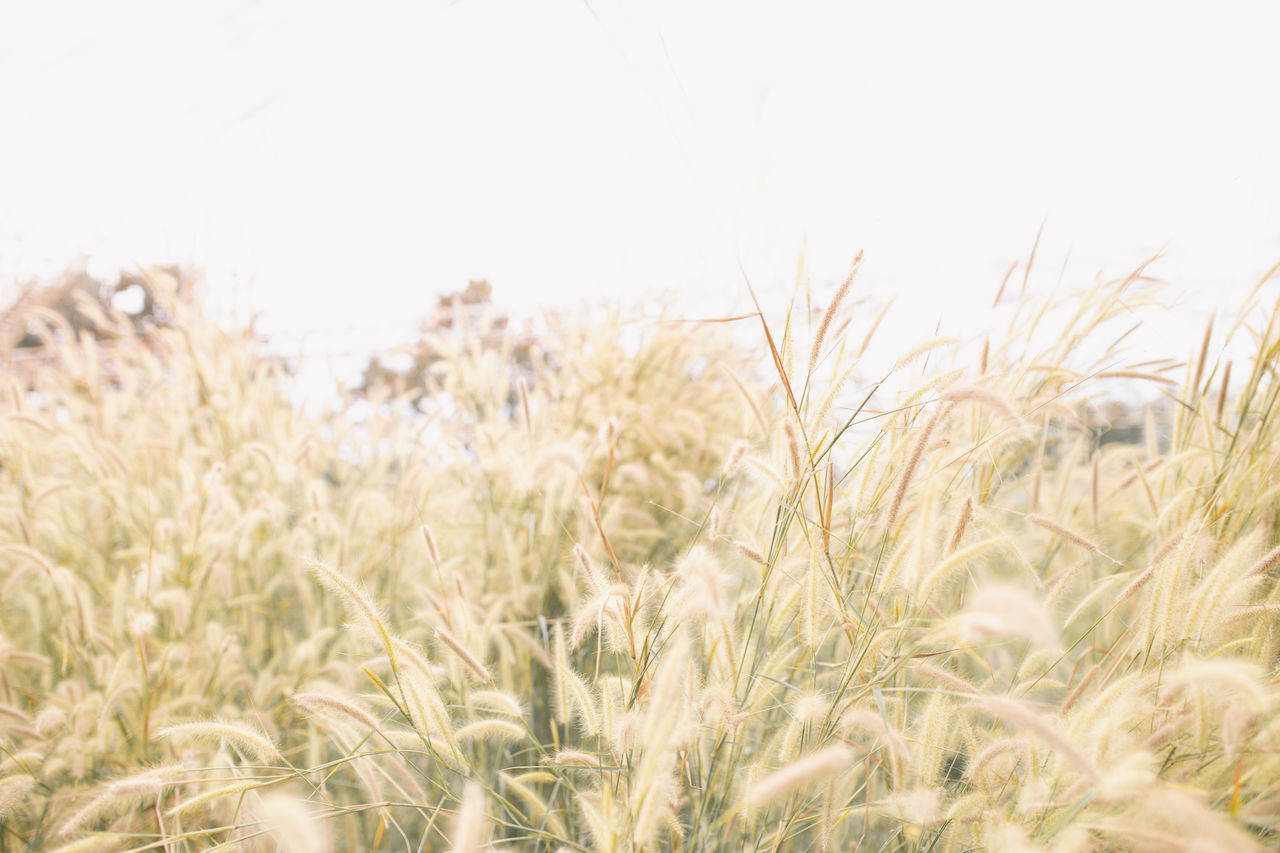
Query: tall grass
(677, 595)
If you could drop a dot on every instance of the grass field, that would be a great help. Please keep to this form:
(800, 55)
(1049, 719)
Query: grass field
(637, 586)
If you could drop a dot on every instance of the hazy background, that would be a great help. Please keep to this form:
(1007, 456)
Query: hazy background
(335, 166)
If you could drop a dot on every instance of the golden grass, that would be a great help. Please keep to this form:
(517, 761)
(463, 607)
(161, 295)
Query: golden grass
(579, 604)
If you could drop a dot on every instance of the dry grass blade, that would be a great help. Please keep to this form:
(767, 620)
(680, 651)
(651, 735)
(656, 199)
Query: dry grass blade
(773, 349)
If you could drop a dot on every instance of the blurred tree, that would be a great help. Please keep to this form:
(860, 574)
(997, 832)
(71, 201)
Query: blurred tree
(76, 303)
(460, 318)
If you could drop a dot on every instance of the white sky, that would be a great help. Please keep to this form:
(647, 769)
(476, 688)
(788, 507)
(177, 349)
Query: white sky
(336, 165)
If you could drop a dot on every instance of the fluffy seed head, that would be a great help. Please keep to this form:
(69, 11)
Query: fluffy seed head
(464, 654)
(250, 740)
(819, 765)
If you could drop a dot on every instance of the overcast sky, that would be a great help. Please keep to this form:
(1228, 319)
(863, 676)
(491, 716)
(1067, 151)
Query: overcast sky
(337, 165)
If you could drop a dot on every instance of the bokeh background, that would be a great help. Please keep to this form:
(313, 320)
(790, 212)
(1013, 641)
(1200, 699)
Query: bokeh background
(334, 167)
